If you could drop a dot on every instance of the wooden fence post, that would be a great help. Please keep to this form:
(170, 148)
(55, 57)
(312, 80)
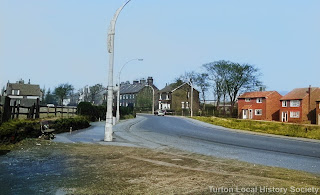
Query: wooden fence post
(55, 110)
(6, 110)
(37, 106)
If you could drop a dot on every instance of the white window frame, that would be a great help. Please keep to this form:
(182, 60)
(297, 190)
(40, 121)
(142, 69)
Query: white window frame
(255, 112)
(187, 105)
(247, 99)
(284, 103)
(182, 105)
(259, 100)
(120, 97)
(294, 114)
(294, 103)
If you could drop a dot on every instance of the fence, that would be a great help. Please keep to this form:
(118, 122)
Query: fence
(16, 111)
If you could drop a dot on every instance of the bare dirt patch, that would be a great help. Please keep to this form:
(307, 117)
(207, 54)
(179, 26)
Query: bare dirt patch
(98, 169)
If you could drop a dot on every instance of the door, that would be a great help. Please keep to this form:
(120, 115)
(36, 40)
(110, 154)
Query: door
(284, 116)
(318, 119)
(250, 114)
(244, 114)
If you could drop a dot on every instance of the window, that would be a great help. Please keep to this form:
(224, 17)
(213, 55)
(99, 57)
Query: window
(120, 97)
(247, 100)
(187, 105)
(295, 114)
(259, 100)
(258, 112)
(160, 96)
(167, 96)
(15, 92)
(284, 103)
(294, 103)
(182, 105)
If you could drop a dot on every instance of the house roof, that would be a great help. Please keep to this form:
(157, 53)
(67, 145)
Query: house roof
(256, 94)
(25, 89)
(133, 88)
(172, 87)
(297, 94)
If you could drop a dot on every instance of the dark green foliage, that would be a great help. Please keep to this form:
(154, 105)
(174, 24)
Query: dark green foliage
(64, 124)
(91, 111)
(126, 111)
(17, 130)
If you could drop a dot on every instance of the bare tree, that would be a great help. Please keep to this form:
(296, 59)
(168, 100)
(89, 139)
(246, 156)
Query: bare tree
(231, 78)
(202, 81)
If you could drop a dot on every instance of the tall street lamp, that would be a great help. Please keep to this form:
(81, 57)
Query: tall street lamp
(152, 98)
(109, 122)
(118, 94)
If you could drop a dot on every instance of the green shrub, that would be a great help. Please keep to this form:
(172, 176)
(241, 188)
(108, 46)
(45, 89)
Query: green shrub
(64, 124)
(16, 130)
(92, 112)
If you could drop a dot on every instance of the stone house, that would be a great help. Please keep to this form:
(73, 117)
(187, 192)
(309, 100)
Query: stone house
(259, 105)
(23, 94)
(130, 93)
(178, 97)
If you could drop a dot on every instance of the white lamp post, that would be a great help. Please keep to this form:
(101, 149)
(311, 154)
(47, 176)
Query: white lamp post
(152, 98)
(109, 117)
(118, 94)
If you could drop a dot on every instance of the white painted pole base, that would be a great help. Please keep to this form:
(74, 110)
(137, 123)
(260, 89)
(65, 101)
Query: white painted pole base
(108, 132)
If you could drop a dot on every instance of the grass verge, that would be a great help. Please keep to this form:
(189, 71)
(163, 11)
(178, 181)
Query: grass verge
(98, 169)
(276, 128)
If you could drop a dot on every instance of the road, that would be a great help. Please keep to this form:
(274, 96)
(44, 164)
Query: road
(198, 137)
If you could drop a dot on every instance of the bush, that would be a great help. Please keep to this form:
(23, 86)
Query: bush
(91, 111)
(64, 124)
(16, 130)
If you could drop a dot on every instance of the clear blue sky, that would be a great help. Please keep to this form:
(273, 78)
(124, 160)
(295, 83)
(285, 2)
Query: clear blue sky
(59, 41)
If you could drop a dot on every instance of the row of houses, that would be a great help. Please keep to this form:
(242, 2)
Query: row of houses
(301, 105)
(175, 96)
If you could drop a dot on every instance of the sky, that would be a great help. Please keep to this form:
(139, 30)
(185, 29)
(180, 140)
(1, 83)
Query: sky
(65, 41)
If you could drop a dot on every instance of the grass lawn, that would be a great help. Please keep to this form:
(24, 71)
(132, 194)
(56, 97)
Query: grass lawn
(99, 169)
(277, 128)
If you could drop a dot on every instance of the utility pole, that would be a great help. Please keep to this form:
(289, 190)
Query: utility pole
(109, 116)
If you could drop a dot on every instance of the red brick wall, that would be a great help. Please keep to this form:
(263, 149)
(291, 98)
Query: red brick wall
(318, 113)
(273, 106)
(254, 106)
(289, 109)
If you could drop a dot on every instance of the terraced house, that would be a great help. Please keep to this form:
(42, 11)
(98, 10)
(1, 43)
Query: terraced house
(137, 94)
(259, 105)
(299, 105)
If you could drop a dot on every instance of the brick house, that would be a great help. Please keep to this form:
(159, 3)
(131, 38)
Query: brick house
(299, 105)
(259, 105)
(318, 111)
(178, 97)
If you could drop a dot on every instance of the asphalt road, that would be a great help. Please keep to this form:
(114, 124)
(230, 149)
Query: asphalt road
(195, 136)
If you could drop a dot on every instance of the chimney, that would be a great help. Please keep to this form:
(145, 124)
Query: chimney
(135, 82)
(150, 81)
(142, 81)
(29, 82)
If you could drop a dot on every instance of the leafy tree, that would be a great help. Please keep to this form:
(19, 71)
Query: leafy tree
(94, 91)
(231, 78)
(62, 91)
(144, 98)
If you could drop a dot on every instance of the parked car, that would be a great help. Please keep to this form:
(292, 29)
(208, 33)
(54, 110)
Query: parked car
(161, 113)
